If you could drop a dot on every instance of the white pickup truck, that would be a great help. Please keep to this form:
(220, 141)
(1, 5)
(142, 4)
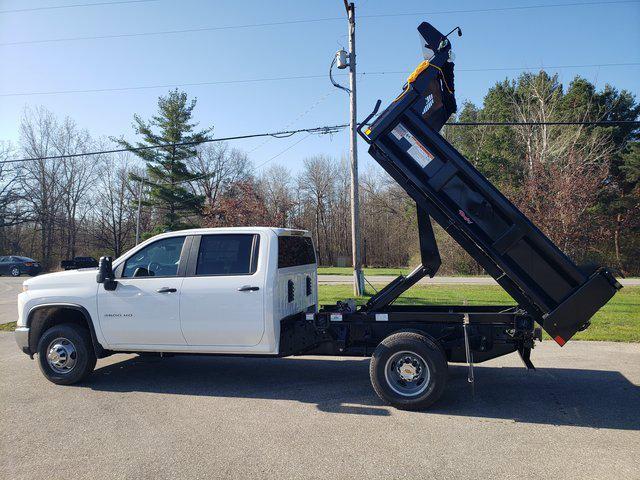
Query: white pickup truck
(230, 291)
(242, 291)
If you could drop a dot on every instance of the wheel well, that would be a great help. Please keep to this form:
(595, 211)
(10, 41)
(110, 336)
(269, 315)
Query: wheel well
(422, 332)
(43, 318)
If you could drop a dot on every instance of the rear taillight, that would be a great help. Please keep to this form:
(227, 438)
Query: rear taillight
(28, 264)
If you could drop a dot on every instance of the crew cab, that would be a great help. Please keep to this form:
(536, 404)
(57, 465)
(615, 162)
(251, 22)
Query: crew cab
(193, 291)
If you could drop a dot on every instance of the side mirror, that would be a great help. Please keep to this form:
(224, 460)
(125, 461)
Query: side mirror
(105, 274)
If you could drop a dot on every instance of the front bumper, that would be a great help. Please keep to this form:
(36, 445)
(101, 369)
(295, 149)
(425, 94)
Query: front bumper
(22, 339)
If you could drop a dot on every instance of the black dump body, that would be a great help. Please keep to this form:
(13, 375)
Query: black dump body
(404, 139)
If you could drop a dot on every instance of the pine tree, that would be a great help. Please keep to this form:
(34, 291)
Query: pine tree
(166, 171)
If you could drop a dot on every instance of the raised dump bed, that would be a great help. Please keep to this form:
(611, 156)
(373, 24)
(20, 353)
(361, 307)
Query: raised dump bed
(404, 139)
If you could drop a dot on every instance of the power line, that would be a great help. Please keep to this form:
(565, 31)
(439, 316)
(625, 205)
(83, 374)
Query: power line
(499, 69)
(313, 130)
(293, 22)
(500, 9)
(168, 32)
(74, 5)
(299, 117)
(295, 77)
(288, 148)
(170, 85)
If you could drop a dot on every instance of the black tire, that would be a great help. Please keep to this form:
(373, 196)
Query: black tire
(73, 338)
(409, 346)
(15, 272)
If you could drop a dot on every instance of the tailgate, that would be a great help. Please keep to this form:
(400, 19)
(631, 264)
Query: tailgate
(573, 314)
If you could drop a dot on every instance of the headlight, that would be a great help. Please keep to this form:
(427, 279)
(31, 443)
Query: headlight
(25, 287)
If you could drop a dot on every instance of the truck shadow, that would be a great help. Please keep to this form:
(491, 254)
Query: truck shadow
(553, 396)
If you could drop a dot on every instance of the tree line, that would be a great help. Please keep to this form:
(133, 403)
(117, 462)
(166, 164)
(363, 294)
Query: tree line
(580, 184)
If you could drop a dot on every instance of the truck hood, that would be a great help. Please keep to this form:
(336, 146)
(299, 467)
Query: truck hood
(60, 279)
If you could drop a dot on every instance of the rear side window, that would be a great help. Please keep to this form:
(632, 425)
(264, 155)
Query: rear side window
(228, 254)
(293, 251)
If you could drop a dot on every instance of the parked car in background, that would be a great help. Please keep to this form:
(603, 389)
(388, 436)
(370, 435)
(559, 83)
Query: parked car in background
(79, 262)
(15, 266)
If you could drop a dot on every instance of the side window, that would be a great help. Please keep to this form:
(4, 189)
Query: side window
(293, 251)
(160, 259)
(228, 254)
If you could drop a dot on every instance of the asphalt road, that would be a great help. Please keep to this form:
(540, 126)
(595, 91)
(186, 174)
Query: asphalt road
(10, 287)
(576, 417)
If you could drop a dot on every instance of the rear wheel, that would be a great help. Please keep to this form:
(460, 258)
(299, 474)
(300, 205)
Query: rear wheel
(15, 272)
(408, 370)
(65, 354)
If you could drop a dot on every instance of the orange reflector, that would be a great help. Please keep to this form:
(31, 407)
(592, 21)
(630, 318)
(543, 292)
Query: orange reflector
(560, 341)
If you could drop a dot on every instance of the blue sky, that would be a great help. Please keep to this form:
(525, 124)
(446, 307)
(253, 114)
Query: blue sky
(531, 38)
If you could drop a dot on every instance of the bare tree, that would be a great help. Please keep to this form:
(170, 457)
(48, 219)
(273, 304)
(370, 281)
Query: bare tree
(316, 184)
(115, 204)
(217, 166)
(11, 211)
(39, 180)
(564, 167)
(276, 187)
(77, 176)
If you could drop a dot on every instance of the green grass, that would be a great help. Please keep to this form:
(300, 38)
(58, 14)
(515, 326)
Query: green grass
(617, 321)
(367, 271)
(7, 327)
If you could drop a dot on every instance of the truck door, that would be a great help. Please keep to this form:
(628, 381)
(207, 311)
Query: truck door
(222, 297)
(144, 308)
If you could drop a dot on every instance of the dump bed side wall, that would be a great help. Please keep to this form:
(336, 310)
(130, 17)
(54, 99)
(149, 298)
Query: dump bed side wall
(546, 274)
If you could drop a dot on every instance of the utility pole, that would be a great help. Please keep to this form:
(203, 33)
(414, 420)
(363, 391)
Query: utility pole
(358, 279)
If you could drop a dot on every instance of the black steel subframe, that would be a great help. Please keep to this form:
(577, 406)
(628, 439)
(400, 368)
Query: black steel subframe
(493, 330)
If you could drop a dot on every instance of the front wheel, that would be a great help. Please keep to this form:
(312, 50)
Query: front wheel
(408, 370)
(65, 354)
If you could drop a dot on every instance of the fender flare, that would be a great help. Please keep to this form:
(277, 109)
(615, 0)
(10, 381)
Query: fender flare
(99, 350)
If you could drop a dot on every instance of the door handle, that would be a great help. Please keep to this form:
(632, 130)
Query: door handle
(167, 290)
(248, 288)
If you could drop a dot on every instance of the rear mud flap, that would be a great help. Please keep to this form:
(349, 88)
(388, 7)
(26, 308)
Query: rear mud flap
(525, 355)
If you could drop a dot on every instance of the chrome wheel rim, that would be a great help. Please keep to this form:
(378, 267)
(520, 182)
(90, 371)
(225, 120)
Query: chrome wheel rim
(407, 374)
(62, 355)
(15, 272)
